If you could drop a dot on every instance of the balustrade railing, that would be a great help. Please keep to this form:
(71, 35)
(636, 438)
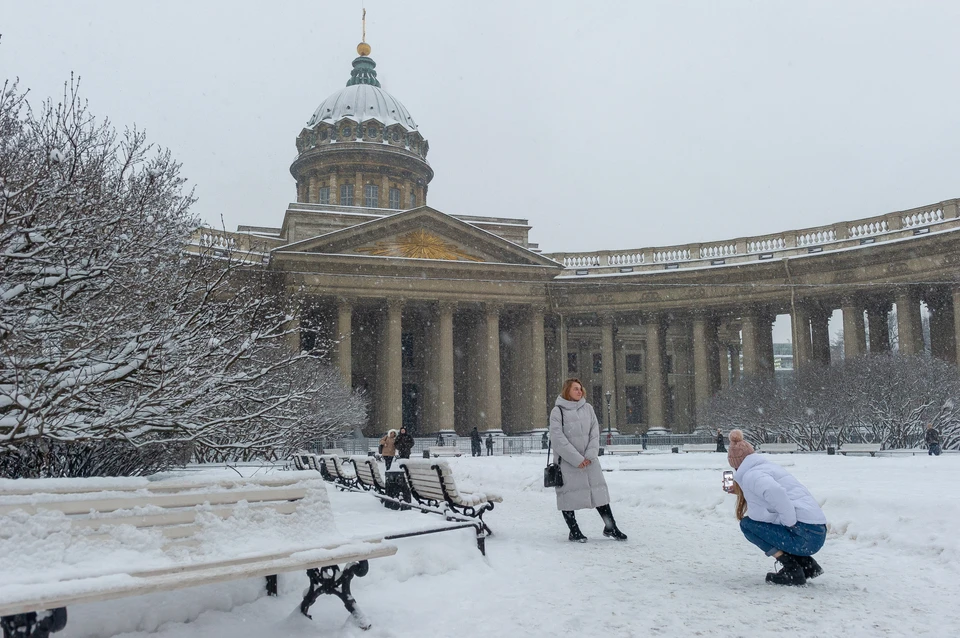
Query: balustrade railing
(833, 236)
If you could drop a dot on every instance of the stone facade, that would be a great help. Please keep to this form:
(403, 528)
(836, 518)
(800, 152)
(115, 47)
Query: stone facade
(449, 322)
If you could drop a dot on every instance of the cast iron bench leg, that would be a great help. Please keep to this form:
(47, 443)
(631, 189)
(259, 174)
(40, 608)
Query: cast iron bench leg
(34, 624)
(330, 580)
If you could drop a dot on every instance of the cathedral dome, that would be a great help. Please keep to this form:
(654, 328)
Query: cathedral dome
(362, 102)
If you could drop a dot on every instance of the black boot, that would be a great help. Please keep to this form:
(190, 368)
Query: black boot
(575, 534)
(811, 568)
(790, 574)
(609, 525)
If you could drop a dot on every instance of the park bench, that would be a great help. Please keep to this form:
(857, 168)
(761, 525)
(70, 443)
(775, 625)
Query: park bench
(860, 448)
(336, 472)
(779, 448)
(623, 449)
(370, 479)
(433, 486)
(700, 447)
(301, 460)
(209, 532)
(441, 450)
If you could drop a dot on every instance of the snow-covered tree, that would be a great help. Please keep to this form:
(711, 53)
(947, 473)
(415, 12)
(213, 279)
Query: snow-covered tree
(112, 335)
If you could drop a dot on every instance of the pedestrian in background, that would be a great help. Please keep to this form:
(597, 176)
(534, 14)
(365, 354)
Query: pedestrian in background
(475, 443)
(932, 439)
(489, 445)
(720, 447)
(388, 447)
(404, 444)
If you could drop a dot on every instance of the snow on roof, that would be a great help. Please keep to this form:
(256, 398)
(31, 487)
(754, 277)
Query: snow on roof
(362, 102)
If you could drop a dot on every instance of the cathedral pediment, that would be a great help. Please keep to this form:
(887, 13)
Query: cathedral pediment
(423, 234)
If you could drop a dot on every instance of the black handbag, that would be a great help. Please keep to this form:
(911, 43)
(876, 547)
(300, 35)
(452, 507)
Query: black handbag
(552, 476)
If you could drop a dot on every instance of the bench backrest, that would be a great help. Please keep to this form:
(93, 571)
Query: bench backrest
(614, 449)
(699, 447)
(425, 479)
(778, 447)
(860, 447)
(368, 472)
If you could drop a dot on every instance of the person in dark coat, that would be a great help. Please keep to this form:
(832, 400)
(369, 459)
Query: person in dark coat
(440, 439)
(489, 445)
(404, 444)
(932, 438)
(475, 443)
(720, 446)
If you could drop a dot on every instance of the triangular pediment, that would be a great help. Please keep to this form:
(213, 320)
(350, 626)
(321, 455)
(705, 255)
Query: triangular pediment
(420, 233)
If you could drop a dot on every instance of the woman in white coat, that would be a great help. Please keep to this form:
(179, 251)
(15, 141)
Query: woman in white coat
(777, 513)
(575, 433)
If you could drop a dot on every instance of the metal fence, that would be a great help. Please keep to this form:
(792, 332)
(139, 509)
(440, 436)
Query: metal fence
(508, 445)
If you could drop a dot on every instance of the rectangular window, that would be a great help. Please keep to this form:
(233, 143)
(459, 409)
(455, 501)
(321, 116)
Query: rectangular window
(634, 403)
(346, 194)
(598, 401)
(571, 362)
(634, 364)
(323, 195)
(597, 363)
(669, 364)
(413, 199)
(394, 198)
(371, 196)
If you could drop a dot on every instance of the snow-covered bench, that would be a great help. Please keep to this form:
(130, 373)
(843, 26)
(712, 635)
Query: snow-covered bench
(370, 479)
(623, 449)
(335, 471)
(433, 486)
(443, 450)
(699, 447)
(860, 448)
(779, 448)
(73, 541)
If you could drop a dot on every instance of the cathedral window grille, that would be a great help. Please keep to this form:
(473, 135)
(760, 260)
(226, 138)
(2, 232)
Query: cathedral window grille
(394, 198)
(346, 194)
(371, 196)
(413, 199)
(323, 195)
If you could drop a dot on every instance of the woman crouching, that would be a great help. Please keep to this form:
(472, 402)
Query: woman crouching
(777, 513)
(575, 433)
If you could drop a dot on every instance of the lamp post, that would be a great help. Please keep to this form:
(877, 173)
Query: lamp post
(609, 433)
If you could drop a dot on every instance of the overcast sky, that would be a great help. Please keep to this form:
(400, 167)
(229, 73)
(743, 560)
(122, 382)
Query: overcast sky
(605, 124)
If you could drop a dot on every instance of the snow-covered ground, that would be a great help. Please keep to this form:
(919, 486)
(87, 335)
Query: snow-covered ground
(892, 563)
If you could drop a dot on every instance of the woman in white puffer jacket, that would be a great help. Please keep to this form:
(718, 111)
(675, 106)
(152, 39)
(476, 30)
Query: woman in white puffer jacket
(777, 513)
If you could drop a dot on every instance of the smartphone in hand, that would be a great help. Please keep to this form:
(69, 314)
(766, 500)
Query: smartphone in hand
(727, 480)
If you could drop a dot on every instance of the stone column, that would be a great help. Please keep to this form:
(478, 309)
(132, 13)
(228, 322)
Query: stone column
(942, 344)
(820, 336)
(334, 189)
(749, 334)
(909, 326)
(345, 341)
(492, 412)
(620, 357)
(724, 353)
(358, 199)
(702, 374)
(384, 195)
(802, 343)
(877, 313)
(765, 344)
(312, 189)
(854, 337)
(736, 372)
(656, 377)
(608, 373)
(537, 397)
(390, 373)
(564, 351)
(445, 371)
(683, 391)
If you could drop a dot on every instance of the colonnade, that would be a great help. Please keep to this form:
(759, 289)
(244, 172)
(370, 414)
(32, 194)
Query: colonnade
(498, 366)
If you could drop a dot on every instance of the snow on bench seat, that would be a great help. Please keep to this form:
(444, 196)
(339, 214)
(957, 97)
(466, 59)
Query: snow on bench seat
(860, 448)
(623, 449)
(77, 541)
(699, 447)
(779, 448)
(443, 450)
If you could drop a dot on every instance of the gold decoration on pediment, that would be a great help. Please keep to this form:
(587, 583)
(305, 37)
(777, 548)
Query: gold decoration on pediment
(418, 245)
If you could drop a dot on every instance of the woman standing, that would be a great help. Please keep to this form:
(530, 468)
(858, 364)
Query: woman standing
(404, 443)
(777, 513)
(575, 433)
(388, 447)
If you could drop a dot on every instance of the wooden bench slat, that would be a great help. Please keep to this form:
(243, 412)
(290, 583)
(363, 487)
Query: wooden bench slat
(185, 576)
(174, 517)
(186, 499)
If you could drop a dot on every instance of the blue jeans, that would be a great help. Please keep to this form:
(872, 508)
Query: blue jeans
(934, 449)
(803, 539)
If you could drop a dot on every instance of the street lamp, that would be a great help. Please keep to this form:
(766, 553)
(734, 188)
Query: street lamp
(609, 434)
